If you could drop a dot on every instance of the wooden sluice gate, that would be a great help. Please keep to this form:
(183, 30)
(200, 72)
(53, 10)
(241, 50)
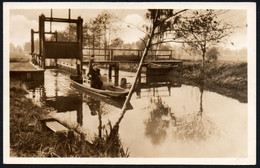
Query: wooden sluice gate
(70, 68)
(53, 48)
(112, 59)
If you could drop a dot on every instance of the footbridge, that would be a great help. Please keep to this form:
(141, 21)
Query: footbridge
(72, 55)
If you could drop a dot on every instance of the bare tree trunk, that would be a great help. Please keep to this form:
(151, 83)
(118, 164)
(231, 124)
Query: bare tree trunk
(203, 66)
(203, 60)
(201, 101)
(148, 45)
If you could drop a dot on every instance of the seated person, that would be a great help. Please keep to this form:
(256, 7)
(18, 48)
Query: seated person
(95, 77)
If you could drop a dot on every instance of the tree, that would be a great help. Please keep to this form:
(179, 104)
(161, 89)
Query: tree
(202, 29)
(165, 47)
(212, 54)
(12, 48)
(116, 43)
(102, 30)
(159, 22)
(140, 44)
(27, 47)
(69, 34)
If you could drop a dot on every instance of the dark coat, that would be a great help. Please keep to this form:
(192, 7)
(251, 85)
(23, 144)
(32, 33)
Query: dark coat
(94, 76)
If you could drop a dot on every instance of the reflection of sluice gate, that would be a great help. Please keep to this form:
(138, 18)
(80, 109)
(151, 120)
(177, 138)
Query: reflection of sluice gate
(154, 87)
(65, 103)
(111, 101)
(160, 75)
(74, 103)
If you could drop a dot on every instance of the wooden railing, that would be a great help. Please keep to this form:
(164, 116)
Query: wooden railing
(125, 54)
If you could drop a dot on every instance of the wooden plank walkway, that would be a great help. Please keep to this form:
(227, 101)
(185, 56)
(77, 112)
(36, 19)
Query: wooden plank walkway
(23, 67)
(133, 62)
(55, 126)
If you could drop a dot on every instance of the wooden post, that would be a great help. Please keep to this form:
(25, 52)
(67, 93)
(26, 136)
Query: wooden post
(32, 46)
(110, 73)
(56, 40)
(112, 55)
(79, 113)
(109, 57)
(116, 73)
(146, 67)
(32, 41)
(42, 39)
(80, 41)
(51, 22)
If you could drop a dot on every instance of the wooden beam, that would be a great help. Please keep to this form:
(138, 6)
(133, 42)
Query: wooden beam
(110, 73)
(32, 41)
(48, 19)
(116, 74)
(55, 126)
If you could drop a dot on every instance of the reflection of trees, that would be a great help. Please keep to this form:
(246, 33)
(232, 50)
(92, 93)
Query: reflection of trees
(195, 127)
(157, 124)
(192, 127)
(107, 143)
(110, 145)
(201, 101)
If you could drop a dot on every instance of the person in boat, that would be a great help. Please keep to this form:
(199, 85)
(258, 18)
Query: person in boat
(95, 77)
(91, 61)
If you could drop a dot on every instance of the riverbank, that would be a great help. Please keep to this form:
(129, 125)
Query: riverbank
(28, 138)
(228, 78)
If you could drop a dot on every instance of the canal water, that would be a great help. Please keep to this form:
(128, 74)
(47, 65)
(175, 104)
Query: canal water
(183, 121)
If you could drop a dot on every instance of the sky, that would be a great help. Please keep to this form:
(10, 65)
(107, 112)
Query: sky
(21, 21)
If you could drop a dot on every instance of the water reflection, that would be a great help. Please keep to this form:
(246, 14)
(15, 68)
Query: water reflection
(161, 118)
(37, 93)
(192, 127)
(94, 105)
(196, 126)
(155, 86)
(201, 100)
(95, 109)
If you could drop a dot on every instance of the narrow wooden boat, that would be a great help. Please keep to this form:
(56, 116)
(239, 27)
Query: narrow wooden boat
(161, 66)
(107, 90)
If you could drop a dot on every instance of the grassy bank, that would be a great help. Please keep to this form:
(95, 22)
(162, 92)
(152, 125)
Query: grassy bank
(28, 138)
(228, 78)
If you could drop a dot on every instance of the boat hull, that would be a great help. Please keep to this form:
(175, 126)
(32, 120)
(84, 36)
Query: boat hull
(110, 91)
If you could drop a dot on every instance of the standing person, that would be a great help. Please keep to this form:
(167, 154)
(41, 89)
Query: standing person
(95, 77)
(91, 61)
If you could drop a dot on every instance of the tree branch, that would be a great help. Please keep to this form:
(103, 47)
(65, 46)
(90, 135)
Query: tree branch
(174, 14)
(143, 41)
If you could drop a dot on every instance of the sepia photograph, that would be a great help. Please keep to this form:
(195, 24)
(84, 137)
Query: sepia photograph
(129, 83)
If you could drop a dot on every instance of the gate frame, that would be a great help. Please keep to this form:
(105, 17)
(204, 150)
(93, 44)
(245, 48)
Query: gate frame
(40, 59)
